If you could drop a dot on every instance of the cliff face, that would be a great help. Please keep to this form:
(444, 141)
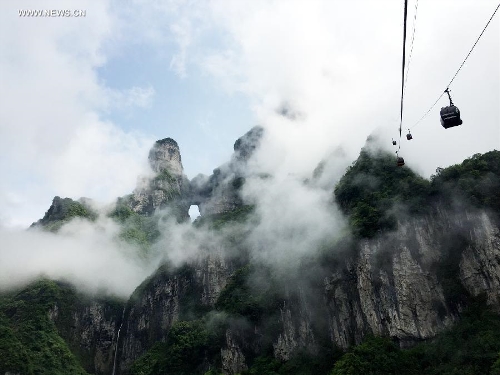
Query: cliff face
(480, 261)
(410, 284)
(49, 327)
(91, 331)
(165, 156)
(169, 188)
(167, 297)
(389, 286)
(150, 315)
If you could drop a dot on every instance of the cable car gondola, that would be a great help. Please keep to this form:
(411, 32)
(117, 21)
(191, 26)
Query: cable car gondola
(450, 116)
(409, 136)
(393, 142)
(400, 161)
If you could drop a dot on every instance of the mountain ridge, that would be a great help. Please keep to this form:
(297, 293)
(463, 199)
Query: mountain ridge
(417, 253)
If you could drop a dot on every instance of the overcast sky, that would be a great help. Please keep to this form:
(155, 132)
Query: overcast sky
(82, 99)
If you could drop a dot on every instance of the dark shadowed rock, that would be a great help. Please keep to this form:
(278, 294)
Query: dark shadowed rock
(220, 192)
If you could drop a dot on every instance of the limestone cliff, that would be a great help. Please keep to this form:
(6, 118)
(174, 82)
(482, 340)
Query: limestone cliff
(168, 188)
(90, 327)
(168, 296)
(393, 285)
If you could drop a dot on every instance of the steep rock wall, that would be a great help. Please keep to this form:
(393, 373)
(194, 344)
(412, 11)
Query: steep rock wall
(397, 286)
(480, 262)
(149, 316)
(393, 285)
(168, 188)
(90, 328)
(167, 297)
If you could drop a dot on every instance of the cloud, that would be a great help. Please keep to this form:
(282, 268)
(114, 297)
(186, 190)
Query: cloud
(294, 220)
(182, 33)
(87, 254)
(51, 116)
(319, 75)
(338, 65)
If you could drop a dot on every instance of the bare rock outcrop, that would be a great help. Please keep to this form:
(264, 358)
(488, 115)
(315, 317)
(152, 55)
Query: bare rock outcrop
(168, 188)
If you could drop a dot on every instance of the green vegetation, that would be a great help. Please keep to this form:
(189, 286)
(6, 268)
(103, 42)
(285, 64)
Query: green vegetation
(185, 352)
(250, 301)
(167, 183)
(29, 340)
(495, 369)
(136, 229)
(299, 364)
(218, 221)
(122, 209)
(63, 211)
(476, 180)
(165, 175)
(140, 230)
(373, 186)
(376, 355)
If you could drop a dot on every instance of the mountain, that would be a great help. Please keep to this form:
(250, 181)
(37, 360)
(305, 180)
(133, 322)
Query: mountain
(410, 285)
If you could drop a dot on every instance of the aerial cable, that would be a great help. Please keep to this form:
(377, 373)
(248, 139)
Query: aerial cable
(411, 44)
(403, 71)
(461, 65)
(403, 74)
(477, 40)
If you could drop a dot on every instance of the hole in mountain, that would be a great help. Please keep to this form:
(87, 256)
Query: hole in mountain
(194, 212)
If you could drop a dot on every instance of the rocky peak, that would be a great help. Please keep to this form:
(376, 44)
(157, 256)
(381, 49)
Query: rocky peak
(245, 146)
(62, 210)
(168, 188)
(220, 192)
(165, 156)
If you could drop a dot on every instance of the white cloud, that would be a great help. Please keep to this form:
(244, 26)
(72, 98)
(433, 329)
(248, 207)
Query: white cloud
(86, 254)
(338, 64)
(295, 219)
(50, 113)
(182, 33)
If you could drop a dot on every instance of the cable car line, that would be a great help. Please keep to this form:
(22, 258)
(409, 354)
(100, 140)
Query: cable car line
(411, 44)
(461, 65)
(403, 70)
(400, 160)
(479, 37)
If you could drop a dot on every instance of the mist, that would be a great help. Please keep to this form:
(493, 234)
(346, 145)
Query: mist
(294, 220)
(86, 254)
(316, 81)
